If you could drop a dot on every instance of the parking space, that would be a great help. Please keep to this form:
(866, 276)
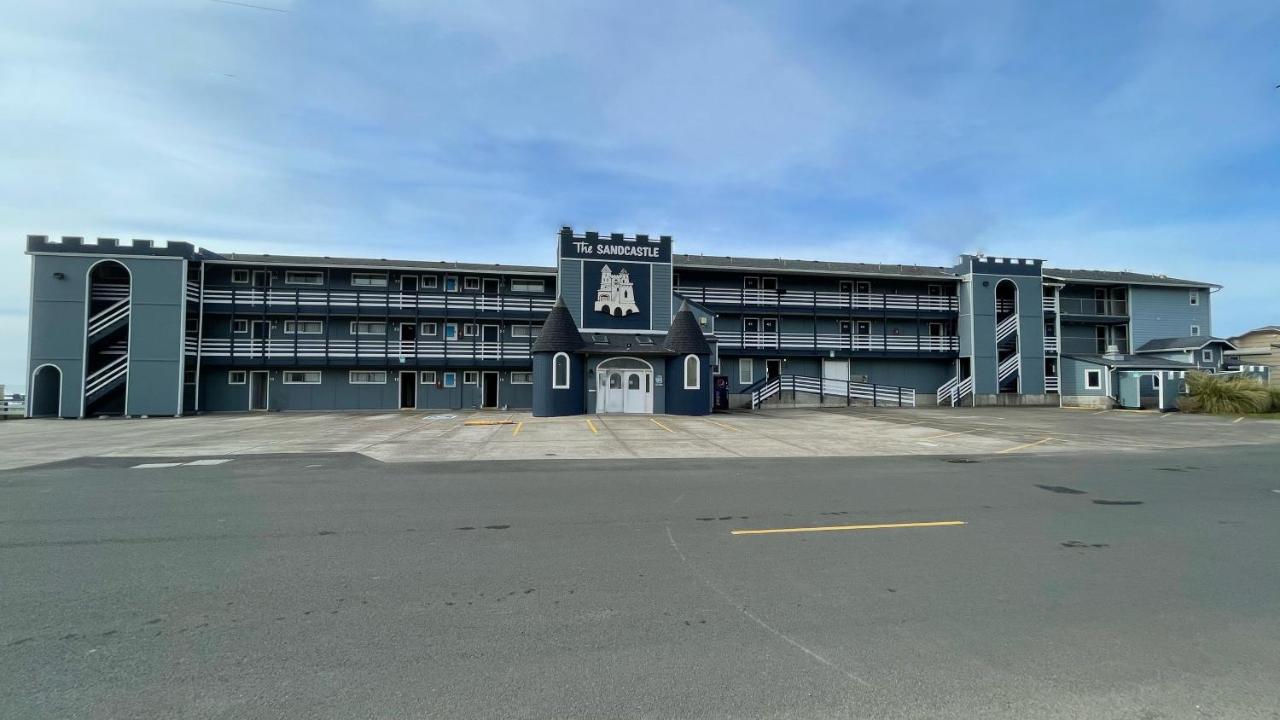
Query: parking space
(463, 435)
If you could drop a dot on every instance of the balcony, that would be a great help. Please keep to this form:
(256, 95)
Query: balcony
(1050, 344)
(302, 351)
(824, 341)
(1093, 308)
(808, 300)
(386, 302)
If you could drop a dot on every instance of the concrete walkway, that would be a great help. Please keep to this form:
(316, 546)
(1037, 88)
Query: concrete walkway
(418, 436)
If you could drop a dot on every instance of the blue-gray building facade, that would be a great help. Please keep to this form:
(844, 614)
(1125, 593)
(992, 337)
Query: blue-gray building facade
(141, 328)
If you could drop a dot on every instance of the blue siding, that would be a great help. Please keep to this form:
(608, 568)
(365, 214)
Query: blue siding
(1158, 312)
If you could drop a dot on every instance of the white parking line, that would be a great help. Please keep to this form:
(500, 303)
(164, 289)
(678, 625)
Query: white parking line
(152, 466)
(149, 466)
(217, 461)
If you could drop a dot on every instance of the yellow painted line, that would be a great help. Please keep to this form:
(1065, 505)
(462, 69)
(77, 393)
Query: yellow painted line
(664, 427)
(592, 426)
(1024, 447)
(958, 432)
(517, 430)
(726, 427)
(1233, 422)
(832, 528)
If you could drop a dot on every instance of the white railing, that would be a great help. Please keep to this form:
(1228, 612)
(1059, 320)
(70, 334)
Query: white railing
(1006, 327)
(947, 390)
(112, 313)
(839, 341)
(320, 349)
(1051, 344)
(966, 387)
(1050, 384)
(1008, 367)
(810, 298)
(193, 291)
(106, 375)
(1049, 304)
(110, 291)
(12, 406)
(878, 395)
(389, 300)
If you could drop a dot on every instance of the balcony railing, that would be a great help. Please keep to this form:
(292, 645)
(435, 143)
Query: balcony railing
(1049, 304)
(806, 299)
(390, 349)
(1050, 344)
(249, 297)
(836, 341)
(1096, 308)
(1050, 384)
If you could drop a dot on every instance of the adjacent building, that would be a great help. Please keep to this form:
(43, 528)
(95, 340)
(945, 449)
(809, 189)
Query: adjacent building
(618, 324)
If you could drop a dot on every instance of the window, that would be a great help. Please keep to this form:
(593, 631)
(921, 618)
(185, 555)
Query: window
(429, 282)
(469, 330)
(429, 328)
(935, 329)
(368, 280)
(1194, 297)
(521, 377)
(451, 283)
(451, 331)
(560, 371)
(1093, 379)
(745, 371)
(293, 277)
(428, 377)
(600, 339)
(368, 328)
(518, 285)
(525, 331)
(1206, 355)
(862, 286)
(239, 276)
(471, 283)
(845, 287)
(237, 377)
(301, 377)
(451, 379)
(367, 377)
(470, 377)
(239, 326)
(750, 283)
(303, 327)
(1195, 331)
(692, 372)
(768, 283)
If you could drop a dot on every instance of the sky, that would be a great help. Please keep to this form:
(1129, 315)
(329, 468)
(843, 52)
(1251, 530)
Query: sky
(1141, 135)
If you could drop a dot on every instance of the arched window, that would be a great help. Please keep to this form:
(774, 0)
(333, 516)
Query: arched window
(692, 372)
(560, 371)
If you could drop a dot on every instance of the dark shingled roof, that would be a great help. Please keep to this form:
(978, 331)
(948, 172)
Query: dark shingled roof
(1135, 363)
(1122, 276)
(629, 343)
(724, 262)
(559, 333)
(378, 263)
(1193, 342)
(685, 336)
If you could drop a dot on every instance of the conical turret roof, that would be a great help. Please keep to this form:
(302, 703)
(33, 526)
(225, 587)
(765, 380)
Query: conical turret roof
(685, 335)
(559, 333)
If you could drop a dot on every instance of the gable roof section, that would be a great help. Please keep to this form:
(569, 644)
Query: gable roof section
(1177, 344)
(817, 267)
(1123, 277)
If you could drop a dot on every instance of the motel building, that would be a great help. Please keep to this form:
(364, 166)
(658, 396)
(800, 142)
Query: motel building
(620, 324)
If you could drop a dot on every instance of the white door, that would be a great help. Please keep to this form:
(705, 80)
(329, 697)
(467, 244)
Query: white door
(614, 394)
(633, 401)
(835, 376)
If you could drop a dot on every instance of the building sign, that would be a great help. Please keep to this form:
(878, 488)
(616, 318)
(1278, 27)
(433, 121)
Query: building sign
(616, 296)
(641, 248)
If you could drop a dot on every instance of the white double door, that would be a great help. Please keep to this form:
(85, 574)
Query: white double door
(625, 391)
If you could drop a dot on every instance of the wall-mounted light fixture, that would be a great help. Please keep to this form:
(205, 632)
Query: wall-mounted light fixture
(59, 276)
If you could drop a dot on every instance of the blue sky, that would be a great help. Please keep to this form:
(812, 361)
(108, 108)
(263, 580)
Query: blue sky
(1141, 136)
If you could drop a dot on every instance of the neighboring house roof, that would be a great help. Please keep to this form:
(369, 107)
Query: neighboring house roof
(559, 333)
(1122, 277)
(1133, 363)
(821, 267)
(685, 335)
(378, 264)
(1181, 343)
(1264, 330)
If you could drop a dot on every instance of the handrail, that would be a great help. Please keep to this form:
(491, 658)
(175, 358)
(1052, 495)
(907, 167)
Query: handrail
(391, 300)
(876, 393)
(1007, 327)
(109, 315)
(818, 298)
(1009, 366)
(838, 341)
(106, 375)
(320, 348)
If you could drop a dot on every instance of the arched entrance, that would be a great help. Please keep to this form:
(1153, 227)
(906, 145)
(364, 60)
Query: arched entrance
(624, 385)
(45, 398)
(106, 356)
(1008, 372)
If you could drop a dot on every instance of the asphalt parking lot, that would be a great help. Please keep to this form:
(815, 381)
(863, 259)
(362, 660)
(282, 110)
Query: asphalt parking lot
(425, 437)
(1094, 585)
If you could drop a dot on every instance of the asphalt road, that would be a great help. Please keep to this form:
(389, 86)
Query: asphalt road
(337, 587)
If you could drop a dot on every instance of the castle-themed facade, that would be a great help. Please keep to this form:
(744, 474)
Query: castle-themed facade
(140, 328)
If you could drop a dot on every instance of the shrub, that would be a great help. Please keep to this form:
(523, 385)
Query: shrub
(1189, 404)
(1223, 396)
(1274, 391)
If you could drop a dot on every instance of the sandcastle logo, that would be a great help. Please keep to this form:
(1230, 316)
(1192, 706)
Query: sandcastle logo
(617, 294)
